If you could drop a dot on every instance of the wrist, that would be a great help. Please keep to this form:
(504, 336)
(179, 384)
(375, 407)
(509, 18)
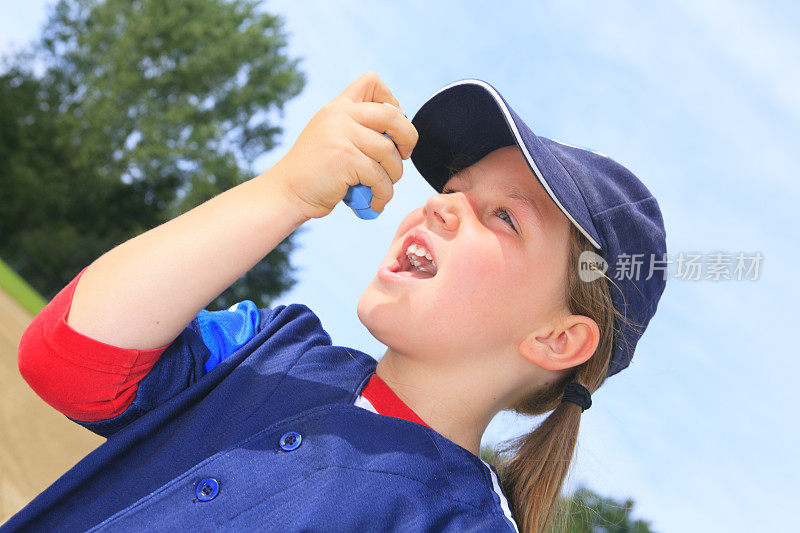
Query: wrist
(272, 184)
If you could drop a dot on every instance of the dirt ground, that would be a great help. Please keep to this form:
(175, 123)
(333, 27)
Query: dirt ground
(37, 443)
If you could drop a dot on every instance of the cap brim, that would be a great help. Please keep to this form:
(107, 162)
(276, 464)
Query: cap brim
(466, 120)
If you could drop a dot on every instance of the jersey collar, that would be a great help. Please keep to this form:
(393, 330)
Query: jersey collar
(386, 402)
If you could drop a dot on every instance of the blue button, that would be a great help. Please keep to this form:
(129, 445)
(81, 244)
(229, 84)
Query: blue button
(207, 489)
(290, 441)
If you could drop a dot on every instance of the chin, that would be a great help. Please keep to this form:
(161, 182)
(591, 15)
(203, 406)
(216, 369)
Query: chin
(369, 309)
(381, 316)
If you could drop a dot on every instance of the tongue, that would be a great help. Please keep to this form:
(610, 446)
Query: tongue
(425, 264)
(415, 274)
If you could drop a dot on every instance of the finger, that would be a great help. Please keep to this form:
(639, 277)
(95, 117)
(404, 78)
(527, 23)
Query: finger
(379, 148)
(369, 88)
(382, 118)
(399, 110)
(372, 174)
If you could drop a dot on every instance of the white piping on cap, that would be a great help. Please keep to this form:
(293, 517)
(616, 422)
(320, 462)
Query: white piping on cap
(521, 145)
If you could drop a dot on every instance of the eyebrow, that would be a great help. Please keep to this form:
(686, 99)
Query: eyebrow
(512, 191)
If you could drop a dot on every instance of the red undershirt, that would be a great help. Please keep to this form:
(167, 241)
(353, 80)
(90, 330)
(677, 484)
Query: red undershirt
(386, 402)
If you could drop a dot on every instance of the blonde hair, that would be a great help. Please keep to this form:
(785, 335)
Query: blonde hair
(532, 467)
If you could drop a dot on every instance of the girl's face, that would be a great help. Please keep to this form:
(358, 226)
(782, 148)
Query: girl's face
(501, 266)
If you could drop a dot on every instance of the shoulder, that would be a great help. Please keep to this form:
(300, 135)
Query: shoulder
(499, 497)
(410, 466)
(295, 319)
(228, 330)
(437, 511)
(400, 502)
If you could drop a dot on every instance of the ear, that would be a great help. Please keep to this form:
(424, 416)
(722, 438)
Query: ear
(569, 343)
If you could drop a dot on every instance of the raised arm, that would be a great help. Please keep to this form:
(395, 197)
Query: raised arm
(161, 279)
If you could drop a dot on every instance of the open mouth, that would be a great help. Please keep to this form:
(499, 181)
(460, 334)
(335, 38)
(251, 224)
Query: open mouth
(415, 259)
(423, 269)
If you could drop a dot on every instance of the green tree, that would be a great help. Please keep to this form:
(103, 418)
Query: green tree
(144, 110)
(585, 511)
(588, 512)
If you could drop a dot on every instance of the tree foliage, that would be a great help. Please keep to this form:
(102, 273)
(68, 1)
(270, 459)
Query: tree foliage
(585, 511)
(144, 110)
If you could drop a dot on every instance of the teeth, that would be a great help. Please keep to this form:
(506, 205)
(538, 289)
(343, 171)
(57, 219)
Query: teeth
(419, 251)
(414, 252)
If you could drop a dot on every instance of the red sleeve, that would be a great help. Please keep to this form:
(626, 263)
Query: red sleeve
(83, 378)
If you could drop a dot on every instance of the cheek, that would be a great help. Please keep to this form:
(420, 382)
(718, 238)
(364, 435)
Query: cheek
(472, 283)
(498, 289)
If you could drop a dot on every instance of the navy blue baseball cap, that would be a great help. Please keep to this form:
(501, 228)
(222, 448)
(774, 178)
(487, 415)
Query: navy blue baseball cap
(466, 120)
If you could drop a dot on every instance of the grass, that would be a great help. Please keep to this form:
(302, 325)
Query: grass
(19, 290)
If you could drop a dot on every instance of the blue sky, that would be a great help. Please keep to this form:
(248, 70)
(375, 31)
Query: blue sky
(700, 100)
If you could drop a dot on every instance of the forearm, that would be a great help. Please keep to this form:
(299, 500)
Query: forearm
(141, 294)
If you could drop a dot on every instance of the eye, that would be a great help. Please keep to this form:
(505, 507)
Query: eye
(496, 211)
(499, 210)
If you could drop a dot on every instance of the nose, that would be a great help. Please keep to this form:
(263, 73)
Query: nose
(442, 210)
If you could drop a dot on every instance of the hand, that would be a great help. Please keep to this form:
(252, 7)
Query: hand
(343, 145)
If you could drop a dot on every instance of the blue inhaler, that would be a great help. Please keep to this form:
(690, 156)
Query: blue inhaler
(359, 197)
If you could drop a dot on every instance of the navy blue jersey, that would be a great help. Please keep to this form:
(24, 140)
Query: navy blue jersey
(251, 419)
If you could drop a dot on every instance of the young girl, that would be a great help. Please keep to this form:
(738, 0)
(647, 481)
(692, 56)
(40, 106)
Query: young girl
(248, 419)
